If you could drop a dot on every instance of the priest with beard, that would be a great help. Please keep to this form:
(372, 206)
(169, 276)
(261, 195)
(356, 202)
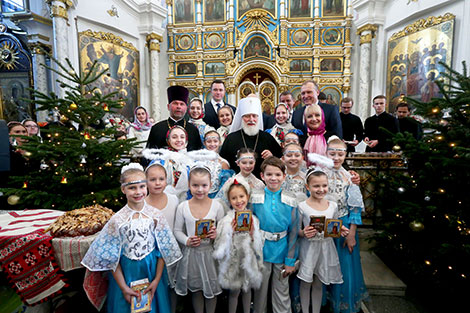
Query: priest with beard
(247, 131)
(177, 107)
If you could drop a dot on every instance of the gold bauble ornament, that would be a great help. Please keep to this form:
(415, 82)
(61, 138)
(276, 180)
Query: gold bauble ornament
(416, 226)
(73, 106)
(64, 118)
(396, 148)
(13, 200)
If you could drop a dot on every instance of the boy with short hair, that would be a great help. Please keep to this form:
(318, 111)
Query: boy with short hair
(279, 225)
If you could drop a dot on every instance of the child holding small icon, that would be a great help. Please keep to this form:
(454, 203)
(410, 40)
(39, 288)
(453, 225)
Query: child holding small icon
(196, 271)
(239, 247)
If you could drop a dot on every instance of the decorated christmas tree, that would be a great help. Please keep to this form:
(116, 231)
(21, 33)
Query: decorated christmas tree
(425, 225)
(77, 162)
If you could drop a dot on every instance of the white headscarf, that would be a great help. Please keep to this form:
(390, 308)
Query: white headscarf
(248, 105)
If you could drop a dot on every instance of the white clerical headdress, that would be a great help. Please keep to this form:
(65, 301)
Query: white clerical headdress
(248, 105)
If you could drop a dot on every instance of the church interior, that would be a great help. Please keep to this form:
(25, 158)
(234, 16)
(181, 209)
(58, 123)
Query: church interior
(355, 49)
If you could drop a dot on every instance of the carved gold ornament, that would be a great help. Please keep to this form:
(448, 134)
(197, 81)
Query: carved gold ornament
(109, 37)
(257, 18)
(8, 56)
(59, 11)
(423, 24)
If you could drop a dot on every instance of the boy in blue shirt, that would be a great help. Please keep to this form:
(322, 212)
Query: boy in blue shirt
(279, 225)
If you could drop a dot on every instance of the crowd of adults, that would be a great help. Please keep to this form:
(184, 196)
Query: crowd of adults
(247, 126)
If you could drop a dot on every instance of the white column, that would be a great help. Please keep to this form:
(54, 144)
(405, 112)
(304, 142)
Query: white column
(153, 43)
(316, 13)
(39, 75)
(59, 21)
(366, 33)
(230, 10)
(170, 11)
(198, 8)
(282, 9)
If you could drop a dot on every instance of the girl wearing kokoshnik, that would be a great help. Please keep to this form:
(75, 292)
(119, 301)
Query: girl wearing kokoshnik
(176, 165)
(283, 126)
(239, 253)
(246, 160)
(295, 176)
(139, 129)
(346, 297)
(319, 263)
(196, 114)
(219, 175)
(197, 271)
(177, 139)
(225, 115)
(213, 142)
(166, 203)
(135, 244)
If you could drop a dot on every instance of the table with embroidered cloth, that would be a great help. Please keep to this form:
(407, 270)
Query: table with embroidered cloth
(31, 258)
(26, 254)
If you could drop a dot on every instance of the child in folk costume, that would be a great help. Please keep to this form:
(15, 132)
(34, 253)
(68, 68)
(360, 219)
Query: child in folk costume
(139, 129)
(177, 139)
(346, 297)
(134, 244)
(225, 115)
(315, 122)
(166, 203)
(295, 176)
(283, 126)
(176, 165)
(240, 254)
(219, 175)
(196, 271)
(246, 160)
(213, 142)
(279, 226)
(196, 113)
(318, 257)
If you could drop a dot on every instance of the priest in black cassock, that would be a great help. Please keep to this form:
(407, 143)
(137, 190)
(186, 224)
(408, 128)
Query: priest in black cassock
(376, 138)
(247, 131)
(353, 131)
(177, 106)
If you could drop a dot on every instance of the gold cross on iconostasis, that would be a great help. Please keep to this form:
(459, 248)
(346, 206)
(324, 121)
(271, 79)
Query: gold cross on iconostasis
(257, 76)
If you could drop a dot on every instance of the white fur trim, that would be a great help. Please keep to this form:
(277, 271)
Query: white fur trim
(131, 166)
(320, 160)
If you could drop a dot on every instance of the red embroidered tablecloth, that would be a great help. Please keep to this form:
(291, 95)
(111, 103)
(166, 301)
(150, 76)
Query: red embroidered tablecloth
(26, 255)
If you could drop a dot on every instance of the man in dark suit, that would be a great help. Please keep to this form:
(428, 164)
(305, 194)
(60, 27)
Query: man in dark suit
(376, 136)
(177, 106)
(309, 92)
(217, 101)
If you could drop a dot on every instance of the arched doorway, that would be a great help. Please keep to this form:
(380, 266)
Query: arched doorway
(262, 83)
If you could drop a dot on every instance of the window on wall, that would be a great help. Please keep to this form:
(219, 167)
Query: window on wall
(13, 6)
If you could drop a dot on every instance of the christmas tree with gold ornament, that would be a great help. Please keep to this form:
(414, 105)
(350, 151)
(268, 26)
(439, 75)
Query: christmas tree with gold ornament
(77, 162)
(424, 230)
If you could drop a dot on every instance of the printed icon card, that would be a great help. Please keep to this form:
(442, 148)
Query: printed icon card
(144, 305)
(243, 219)
(203, 227)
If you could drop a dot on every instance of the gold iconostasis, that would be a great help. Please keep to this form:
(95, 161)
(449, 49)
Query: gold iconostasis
(252, 47)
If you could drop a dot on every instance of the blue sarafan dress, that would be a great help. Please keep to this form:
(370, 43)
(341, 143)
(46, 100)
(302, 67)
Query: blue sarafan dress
(135, 240)
(347, 297)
